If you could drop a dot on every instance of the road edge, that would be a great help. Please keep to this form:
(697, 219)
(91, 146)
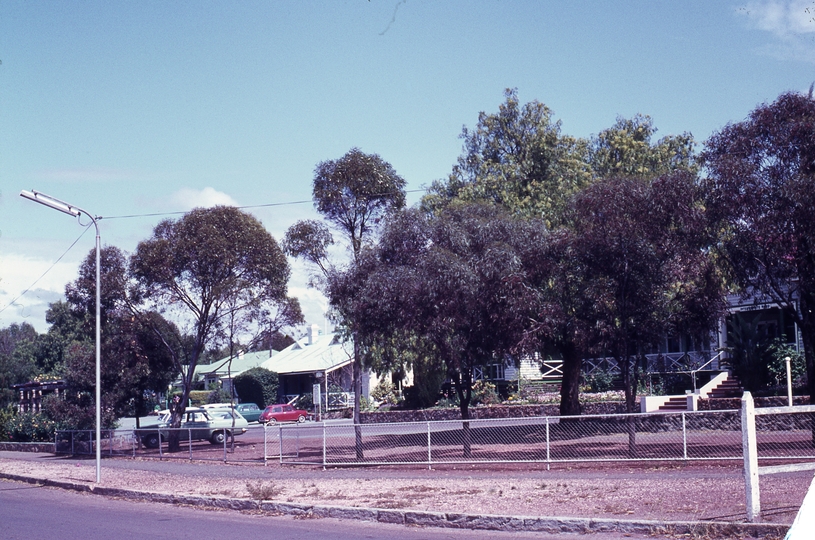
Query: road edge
(451, 520)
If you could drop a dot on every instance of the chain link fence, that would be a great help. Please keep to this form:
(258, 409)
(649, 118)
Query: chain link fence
(784, 436)
(680, 436)
(82, 442)
(785, 433)
(193, 444)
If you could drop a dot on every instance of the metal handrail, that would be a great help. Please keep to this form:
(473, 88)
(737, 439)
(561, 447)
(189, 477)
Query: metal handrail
(700, 368)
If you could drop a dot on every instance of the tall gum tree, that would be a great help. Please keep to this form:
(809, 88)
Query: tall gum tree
(641, 248)
(202, 271)
(760, 198)
(353, 193)
(518, 159)
(453, 280)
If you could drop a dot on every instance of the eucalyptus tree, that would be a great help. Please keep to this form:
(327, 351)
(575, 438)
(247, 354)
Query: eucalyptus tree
(134, 361)
(516, 158)
(17, 363)
(353, 193)
(202, 270)
(760, 196)
(519, 159)
(454, 280)
(626, 149)
(641, 249)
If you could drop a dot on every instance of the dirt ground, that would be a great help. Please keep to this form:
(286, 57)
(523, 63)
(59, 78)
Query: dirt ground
(655, 491)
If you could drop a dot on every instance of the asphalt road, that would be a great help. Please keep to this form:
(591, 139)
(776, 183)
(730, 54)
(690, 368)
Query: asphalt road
(32, 513)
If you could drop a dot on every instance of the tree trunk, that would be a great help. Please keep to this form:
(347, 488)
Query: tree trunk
(570, 387)
(630, 400)
(177, 408)
(464, 386)
(357, 383)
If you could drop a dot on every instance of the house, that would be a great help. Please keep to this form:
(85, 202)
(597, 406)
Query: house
(223, 371)
(692, 359)
(324, 359)
(32, 393)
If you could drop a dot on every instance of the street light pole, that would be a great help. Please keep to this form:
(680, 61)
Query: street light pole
(76, 212)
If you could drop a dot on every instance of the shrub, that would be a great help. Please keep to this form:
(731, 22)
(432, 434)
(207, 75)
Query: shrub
(219, 395)
(6, 414)
(777, 366)
(599, 381)
(484, 393)
(30, 427)
(257, 385)
(198, 397)
(305, 402)
(386, 393)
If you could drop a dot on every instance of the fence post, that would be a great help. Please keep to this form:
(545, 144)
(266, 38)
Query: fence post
(547, 444)
(225, 437)
(280, 441)
(684, 439)
(750, 450)
(429, 457)
(189, 439)
(324, 445)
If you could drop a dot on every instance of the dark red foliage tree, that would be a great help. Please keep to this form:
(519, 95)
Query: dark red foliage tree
(760, 197)
(455, 279)
(641, 252)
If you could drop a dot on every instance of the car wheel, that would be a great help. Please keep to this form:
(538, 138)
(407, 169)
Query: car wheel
(152, 440)
(271, 421)
(219, 436)
(301, 419)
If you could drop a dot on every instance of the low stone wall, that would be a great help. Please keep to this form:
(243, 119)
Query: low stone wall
(27, 447)
(493, 411)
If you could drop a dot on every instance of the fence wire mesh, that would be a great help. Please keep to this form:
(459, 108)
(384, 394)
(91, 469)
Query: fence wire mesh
(700, 435)
(784, 433)
(83, 442)
(710, 435)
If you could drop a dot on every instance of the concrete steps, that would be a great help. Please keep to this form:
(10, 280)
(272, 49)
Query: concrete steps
(725, 385)
(675, 403)
(728, 388)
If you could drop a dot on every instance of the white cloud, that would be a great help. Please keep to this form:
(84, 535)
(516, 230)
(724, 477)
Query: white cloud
(786, 19)
(188, 198)
(43, 283)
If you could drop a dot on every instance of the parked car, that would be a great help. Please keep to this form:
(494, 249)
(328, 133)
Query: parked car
(282, 413)
(250, 411)
(198, 424)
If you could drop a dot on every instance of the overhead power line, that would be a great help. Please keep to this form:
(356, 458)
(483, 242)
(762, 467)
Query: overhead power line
(267, 205)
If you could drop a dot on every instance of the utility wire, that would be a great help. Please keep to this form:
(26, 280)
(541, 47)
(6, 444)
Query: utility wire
(267, 205)
(157, 214)
(88, 226)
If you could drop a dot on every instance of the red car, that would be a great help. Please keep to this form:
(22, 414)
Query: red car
(282, 413)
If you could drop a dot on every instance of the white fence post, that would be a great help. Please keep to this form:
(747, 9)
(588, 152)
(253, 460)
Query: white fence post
(548, 456)
(750, 449)
(429, 457)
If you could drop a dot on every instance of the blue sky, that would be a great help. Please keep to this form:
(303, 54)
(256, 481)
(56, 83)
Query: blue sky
(134, 108)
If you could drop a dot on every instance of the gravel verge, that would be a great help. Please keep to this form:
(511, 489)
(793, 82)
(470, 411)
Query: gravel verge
(702, 501)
